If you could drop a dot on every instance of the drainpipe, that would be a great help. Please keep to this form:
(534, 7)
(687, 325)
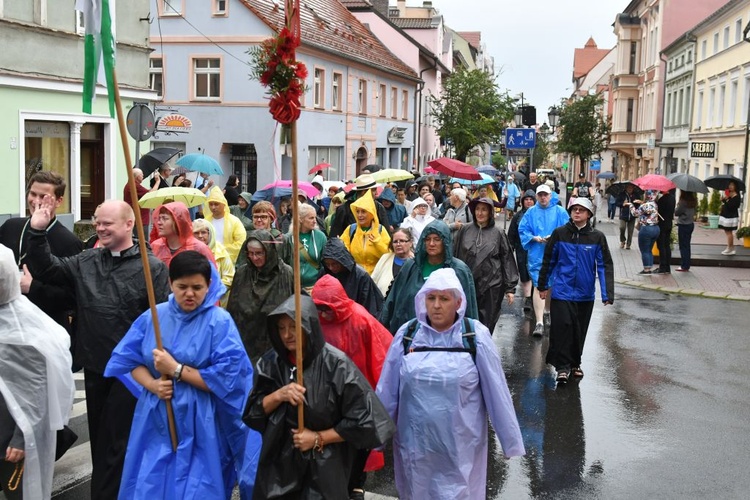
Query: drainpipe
(664, 111)
(418, 112)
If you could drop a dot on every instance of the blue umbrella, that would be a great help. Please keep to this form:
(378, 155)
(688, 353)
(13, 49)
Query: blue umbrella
(488, 169)
(199, 162)
(272, 194)
(486, 179)
(606, 175)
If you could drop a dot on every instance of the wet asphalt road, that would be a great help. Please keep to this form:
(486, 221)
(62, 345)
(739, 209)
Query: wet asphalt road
(662, 412)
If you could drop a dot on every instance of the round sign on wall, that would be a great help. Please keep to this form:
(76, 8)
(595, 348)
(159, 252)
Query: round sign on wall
(140, 122)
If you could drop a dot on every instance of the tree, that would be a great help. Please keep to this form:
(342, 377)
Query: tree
(499, 161)
(583, 131)
(541, 150)
(471, 110)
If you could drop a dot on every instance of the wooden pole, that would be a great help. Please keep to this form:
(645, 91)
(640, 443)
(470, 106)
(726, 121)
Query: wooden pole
(297, 282)
(142, 247)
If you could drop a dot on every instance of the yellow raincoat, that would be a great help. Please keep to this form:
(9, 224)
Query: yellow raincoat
(366, 245)
(234, 231)
(224, 262)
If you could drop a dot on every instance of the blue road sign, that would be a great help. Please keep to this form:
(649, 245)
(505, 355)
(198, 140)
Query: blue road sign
(595, 165)
(520, 138)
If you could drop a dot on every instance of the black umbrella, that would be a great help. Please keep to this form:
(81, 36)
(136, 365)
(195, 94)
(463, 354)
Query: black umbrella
(721, 182)
(687, 182)
(618, 187)
(518, 177)
(155, 158)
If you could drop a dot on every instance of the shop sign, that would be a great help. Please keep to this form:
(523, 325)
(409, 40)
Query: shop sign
(174, 123)
(702, 149)
(396, 135)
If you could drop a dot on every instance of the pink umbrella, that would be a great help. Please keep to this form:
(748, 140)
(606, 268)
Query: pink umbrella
(318, 167)
(430, 170)
(654, 182)
(310, 190)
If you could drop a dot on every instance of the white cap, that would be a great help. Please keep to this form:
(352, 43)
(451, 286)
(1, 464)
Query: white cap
(543, 189)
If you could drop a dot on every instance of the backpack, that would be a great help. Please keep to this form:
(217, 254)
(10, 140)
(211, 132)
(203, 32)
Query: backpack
(353, 229)
(468, 337)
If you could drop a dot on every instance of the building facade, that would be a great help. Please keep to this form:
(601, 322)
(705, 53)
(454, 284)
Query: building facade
(40, 101)
(679, 85)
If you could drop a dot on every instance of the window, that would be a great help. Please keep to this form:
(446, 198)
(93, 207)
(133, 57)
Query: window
(686, 113)
(699, 111)
(382, 100)
(746, 98)
(716, 43)
(47, 147)
(678, 118)
(219, 7)
(704, 44)
(711, 107)
(689, 56)
(319, 82)
(720, 111)
(732, 103)
(325, 154)
(170, 7)
(362, 96)
(394, 102)
(668, 113)
(738, 31)
(207, 79)
(726, 37)
(80, 23)
(629, 123)
(156, 75)
(405, 104)
(336, 91)
(633, 57)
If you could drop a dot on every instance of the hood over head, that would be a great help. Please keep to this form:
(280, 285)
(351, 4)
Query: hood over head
(366, 202)
(248, 197)
(529, 194)
(441, 229)
(487, 201)
(215, 290)
(387, 195)
(335, 249)
(204, 224)
(442, 279)
(215, 194)
(10, 282)
(311, 330)
(329, 292)
(270, 245)
(181, 217)
(418, 201)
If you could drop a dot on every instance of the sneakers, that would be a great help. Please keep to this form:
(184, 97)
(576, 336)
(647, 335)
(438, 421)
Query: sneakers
(645, 272)
(538, 330)
(527, 304)
(728, 252)
(546, 319)
(661, 271)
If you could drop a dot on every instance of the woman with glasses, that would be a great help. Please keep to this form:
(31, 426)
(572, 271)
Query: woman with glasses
(391, 263)
(264, 217)
(172, 222)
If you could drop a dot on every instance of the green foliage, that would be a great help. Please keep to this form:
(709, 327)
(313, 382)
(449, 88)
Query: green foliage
(583, 130)
(541, 151)
(499, 161)
(743, 232)
(703, 205)
(714, 204)
(471, 110)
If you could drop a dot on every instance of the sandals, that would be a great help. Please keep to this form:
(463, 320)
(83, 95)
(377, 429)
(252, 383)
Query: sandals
(562, 377)
(577, 372)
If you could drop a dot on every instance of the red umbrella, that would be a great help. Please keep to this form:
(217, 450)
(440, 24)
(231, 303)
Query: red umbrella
(654, 182)
(319, 166)
(455, 168)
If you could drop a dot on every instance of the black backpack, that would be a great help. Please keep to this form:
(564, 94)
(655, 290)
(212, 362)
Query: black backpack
(468, 337)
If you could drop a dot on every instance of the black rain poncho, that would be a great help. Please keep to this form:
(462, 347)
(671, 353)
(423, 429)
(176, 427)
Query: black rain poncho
(338, 396)
(358, 285)
(257, 292)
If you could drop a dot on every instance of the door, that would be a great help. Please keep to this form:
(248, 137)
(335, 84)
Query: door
(92, 168)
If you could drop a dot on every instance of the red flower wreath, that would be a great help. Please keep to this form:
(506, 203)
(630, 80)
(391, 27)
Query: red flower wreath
(276, 67)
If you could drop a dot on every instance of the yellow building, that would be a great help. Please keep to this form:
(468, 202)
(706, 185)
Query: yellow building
(722, 94)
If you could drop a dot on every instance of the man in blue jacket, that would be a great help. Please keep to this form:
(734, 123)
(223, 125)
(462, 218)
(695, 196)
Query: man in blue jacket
(576, 254)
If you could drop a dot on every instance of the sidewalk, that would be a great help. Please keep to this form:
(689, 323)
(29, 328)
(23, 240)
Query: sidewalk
(711, 274)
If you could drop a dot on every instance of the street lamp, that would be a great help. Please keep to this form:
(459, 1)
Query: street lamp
(519, 117)
(544, 130)
(554, 117)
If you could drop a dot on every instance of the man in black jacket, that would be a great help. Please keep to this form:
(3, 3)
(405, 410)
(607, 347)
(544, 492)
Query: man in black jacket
(666, 205)
(110, 293)
(55, 300)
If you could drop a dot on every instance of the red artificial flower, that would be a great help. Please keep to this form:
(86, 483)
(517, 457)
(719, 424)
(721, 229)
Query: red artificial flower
(301, 71)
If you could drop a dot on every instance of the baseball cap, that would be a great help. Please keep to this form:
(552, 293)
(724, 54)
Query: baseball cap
(543, 189)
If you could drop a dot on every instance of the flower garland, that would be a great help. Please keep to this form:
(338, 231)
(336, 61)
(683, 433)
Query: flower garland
(275, 66)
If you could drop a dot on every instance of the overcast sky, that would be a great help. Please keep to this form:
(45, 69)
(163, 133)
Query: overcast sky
(532, 41)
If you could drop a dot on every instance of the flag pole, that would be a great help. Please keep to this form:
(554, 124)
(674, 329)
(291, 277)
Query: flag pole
(297, 282)
(142, 247)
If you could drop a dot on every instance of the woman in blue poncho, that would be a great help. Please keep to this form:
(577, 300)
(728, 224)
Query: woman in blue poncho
(209, 377)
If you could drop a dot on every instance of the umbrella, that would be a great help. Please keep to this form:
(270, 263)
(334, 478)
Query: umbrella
(155, 158)
(199, 162)
(488, 169)
(486, 179)
(191, 197)
(392, 175)
(687, 182)
(618, 187)
(329, 184)
(455, 168)
(271, 194)
(517, 176)
(310, 190)
(373, 167)
(606, 175)
(721, 182)
(654, 182)
(318, 167)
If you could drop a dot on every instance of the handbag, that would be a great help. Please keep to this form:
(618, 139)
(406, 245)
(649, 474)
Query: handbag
(65, 439)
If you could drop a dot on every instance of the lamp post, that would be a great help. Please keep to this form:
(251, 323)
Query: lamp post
(553, 114)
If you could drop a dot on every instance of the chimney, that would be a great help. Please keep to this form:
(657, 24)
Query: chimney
(380, 6)
(401, 4)
(427, 4)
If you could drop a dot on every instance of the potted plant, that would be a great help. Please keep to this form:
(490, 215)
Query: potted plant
(714, 206)
(744, 233)
(703, 208)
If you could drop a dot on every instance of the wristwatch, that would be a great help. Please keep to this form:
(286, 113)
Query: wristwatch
(178, 372)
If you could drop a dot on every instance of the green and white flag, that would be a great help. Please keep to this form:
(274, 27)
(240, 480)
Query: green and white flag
(99, 46)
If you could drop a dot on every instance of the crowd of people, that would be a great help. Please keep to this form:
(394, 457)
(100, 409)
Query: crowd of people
(402, 285)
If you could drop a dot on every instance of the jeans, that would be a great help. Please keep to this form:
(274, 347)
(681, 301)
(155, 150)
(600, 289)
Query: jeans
(629, 224)
(646, 238)
(611, 210)
(684, 235)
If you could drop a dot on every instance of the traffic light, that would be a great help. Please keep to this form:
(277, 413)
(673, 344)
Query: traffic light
(529, 116)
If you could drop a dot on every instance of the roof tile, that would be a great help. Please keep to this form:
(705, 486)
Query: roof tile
(586, 58)
(412, 22)
(473, 37)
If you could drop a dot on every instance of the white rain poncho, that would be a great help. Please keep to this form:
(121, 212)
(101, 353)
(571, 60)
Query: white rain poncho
(39, 395)
(440, 401)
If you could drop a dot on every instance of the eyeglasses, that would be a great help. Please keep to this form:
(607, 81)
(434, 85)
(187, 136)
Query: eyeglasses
(261, 216)
(578, 209)
(254, 255)
(400, 242)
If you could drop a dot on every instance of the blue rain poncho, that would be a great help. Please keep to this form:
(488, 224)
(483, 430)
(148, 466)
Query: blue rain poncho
(214, 444)
(440, 401)
(540, 221)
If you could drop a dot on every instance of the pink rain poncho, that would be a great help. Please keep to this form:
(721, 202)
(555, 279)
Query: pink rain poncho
(440, 401)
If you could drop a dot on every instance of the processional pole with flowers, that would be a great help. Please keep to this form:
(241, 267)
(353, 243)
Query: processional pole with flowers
(276, 67)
